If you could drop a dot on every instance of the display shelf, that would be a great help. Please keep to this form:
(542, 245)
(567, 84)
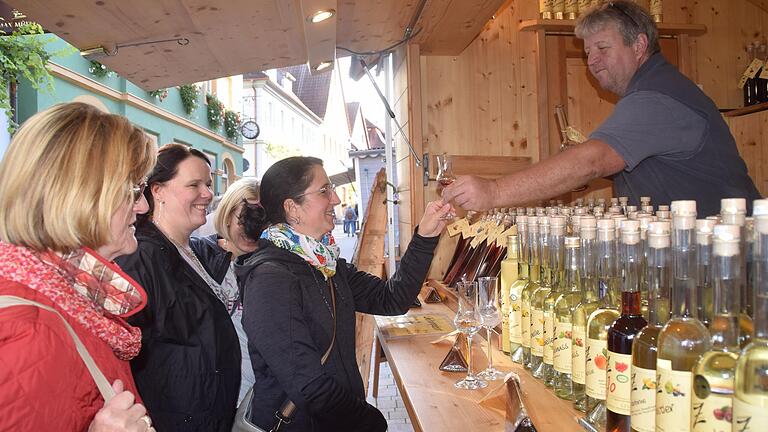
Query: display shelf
(567, 26)
(746, 110)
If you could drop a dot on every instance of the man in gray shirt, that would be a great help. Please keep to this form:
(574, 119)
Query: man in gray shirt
(665, 138)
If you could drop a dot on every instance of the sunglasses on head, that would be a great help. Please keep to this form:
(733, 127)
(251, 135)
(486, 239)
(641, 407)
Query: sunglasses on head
(624, 12)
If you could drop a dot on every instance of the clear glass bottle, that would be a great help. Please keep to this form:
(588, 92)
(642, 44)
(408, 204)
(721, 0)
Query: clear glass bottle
(609, 279)
(564, 307)
(622, 332)
(683, 339)
(510, 271)
(645, 220)
(733, 211)
(534, 270)
(713, 375)
(556, 252)
(750, 401)
(659, 279)
(537, 300)
(704, 294)
(589, 302)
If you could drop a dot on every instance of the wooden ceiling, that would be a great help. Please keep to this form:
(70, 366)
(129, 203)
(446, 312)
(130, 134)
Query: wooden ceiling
(231, 37)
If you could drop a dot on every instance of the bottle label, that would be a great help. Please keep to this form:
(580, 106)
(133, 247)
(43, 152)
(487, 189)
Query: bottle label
(571, 6)
(748, 417)
(713, 412)
(525, 323)
(597, 363)
(549, 332)
(578, 351)
(643, 399)
(619, 383)
(673, 398)
(516, 319)
(655, 7)
(583, 5)
(561, 348)
(537, 333)
(750, 72)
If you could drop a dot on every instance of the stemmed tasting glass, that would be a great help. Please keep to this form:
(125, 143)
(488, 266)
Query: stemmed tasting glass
(468, 321)
(445, 177)
(490, 310)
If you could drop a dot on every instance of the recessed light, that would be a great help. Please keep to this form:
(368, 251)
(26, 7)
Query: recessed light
(323, 65)
(321, 16)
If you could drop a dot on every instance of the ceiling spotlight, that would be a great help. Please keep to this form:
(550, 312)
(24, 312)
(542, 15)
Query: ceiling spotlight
(321, 16)
(323, 65)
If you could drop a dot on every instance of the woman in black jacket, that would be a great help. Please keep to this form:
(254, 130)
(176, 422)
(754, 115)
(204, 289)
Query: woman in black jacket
(293, 287)
(188, 370)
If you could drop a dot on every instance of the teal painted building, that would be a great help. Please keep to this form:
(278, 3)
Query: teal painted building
(165, 121)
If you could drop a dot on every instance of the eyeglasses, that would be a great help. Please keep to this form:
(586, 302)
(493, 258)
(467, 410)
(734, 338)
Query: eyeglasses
(138, 191)
(328, 190)
(624, 12)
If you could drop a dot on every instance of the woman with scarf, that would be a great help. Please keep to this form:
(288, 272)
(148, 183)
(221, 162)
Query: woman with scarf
(300, 298)
(71, 187)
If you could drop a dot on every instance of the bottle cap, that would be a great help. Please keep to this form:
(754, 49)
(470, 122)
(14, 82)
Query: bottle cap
(760, 207)
(704, 229)
(623, 200)
(733, 205)
(572, 242)
(663, 208)
(663, 214)
(658, 234)
(645, 200)
(557, 221)
(629, 225)
(726, 240)
(647, 208)
(588, 222)
(683, 221)
(684, 208)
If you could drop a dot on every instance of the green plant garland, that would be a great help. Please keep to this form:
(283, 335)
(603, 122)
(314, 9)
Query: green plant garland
(159, 94)
(231, 122)
(189, 94)
(99, 70)
(215, 111)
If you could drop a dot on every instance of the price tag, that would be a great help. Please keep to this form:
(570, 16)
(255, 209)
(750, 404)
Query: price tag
(501, 239)
(750, 72)
(458, 227)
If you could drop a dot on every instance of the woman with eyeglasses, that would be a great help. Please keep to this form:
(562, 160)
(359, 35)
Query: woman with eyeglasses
(188, 370)
(70, 192)
(220, 250)
(300, 300)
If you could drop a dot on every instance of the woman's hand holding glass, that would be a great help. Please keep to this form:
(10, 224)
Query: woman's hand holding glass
(433, 222)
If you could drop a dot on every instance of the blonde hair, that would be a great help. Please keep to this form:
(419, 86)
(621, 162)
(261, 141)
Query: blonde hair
(243, 189)
(66, 172)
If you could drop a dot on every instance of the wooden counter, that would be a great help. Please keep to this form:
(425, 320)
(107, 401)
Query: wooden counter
(434, 405)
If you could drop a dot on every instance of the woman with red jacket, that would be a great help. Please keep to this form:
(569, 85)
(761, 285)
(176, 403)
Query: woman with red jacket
(71, 185)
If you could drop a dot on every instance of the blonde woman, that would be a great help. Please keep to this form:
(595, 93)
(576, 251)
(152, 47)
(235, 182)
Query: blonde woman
(71, 187)
(219, 252)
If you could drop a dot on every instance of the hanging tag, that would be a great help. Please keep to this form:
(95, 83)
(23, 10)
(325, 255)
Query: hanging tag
(750, 72)
(457, 227)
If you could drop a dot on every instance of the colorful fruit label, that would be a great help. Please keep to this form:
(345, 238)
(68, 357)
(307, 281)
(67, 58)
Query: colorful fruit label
(748, 417)
(713, 412)
(619, 383)
(515, 319)
(537, 333)
(578, 355)
(525, 323)
(643, 399)
(549, 333)
(673, 398)
(597, 363)
(561, 347)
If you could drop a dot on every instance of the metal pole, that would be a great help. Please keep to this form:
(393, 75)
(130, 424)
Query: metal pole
(389, 156)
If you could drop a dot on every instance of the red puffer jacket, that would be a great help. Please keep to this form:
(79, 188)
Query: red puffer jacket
(44, 385)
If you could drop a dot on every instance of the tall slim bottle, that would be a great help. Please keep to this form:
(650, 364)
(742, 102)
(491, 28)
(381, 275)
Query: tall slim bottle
(733, 211)
(704, 294)
(537, 301)
(622, 332)
(609, 280)
(534, 271)
(659, 279)
(510, 271)
(516, 295)
(713, 375)
(564, 307)
(556, 251)
(588, 304)
(750, 402)
(683, 339)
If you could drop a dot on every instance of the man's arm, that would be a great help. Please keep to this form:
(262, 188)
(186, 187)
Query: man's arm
(553, 176)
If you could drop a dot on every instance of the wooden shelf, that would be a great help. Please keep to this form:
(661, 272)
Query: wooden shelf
(747, 110)
(566, 26)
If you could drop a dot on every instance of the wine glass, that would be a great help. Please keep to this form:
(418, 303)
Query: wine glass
(445, 177)
(468, 321)
(489, 308)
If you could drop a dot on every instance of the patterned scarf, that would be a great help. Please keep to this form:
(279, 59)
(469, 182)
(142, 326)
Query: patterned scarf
(84, 286)
(321, 254)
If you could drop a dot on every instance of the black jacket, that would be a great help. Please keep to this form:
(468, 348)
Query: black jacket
(188, 370)
(287, 316)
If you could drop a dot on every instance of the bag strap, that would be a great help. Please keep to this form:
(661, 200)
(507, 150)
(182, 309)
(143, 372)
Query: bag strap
(288, 409)
(107, 392)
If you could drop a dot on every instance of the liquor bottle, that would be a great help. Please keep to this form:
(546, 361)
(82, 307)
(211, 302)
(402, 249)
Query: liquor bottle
(588, 304)
(659, 279)
(645, 221)
(750, 401)
(750, 98)
(683, 339)
(461, 248)
(516, 291)
(704, 294)
(492, 264)
(608, 276)
(537, 301)
(510, 271)
(713, 375)
(622, 333)
(656, 9)
(558, 9)
(533, 284)
(545, 9)
(571, 296)
(556, 257)
(733, 211)
(455, 272)
(761, 91)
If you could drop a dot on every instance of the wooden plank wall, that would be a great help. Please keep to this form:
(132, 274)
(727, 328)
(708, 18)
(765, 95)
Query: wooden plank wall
(751, 134)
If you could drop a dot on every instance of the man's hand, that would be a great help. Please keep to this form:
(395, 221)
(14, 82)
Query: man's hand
(472, 193)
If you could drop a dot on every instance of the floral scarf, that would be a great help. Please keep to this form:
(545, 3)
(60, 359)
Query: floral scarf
(85, 287)
(320, 254)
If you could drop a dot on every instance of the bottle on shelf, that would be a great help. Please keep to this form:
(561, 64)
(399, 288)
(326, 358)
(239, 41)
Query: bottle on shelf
(713, 375)
(683, 339)
(760, 81)
(533, 284)
(704, 297)
(546, 9)
(645, 220)
(733, 211)
(656, 9)
(556, 260)
(457, 269)
(598, 323)
(537, 300)
(659, 279)
(564, 307)
(462, 245)
(510, 271)
(748, 85)
(622, 332)
(589, 302)
(558, 9)
(516, 289)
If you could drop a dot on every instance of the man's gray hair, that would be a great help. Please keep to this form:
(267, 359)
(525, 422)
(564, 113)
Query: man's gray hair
(630, 19)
